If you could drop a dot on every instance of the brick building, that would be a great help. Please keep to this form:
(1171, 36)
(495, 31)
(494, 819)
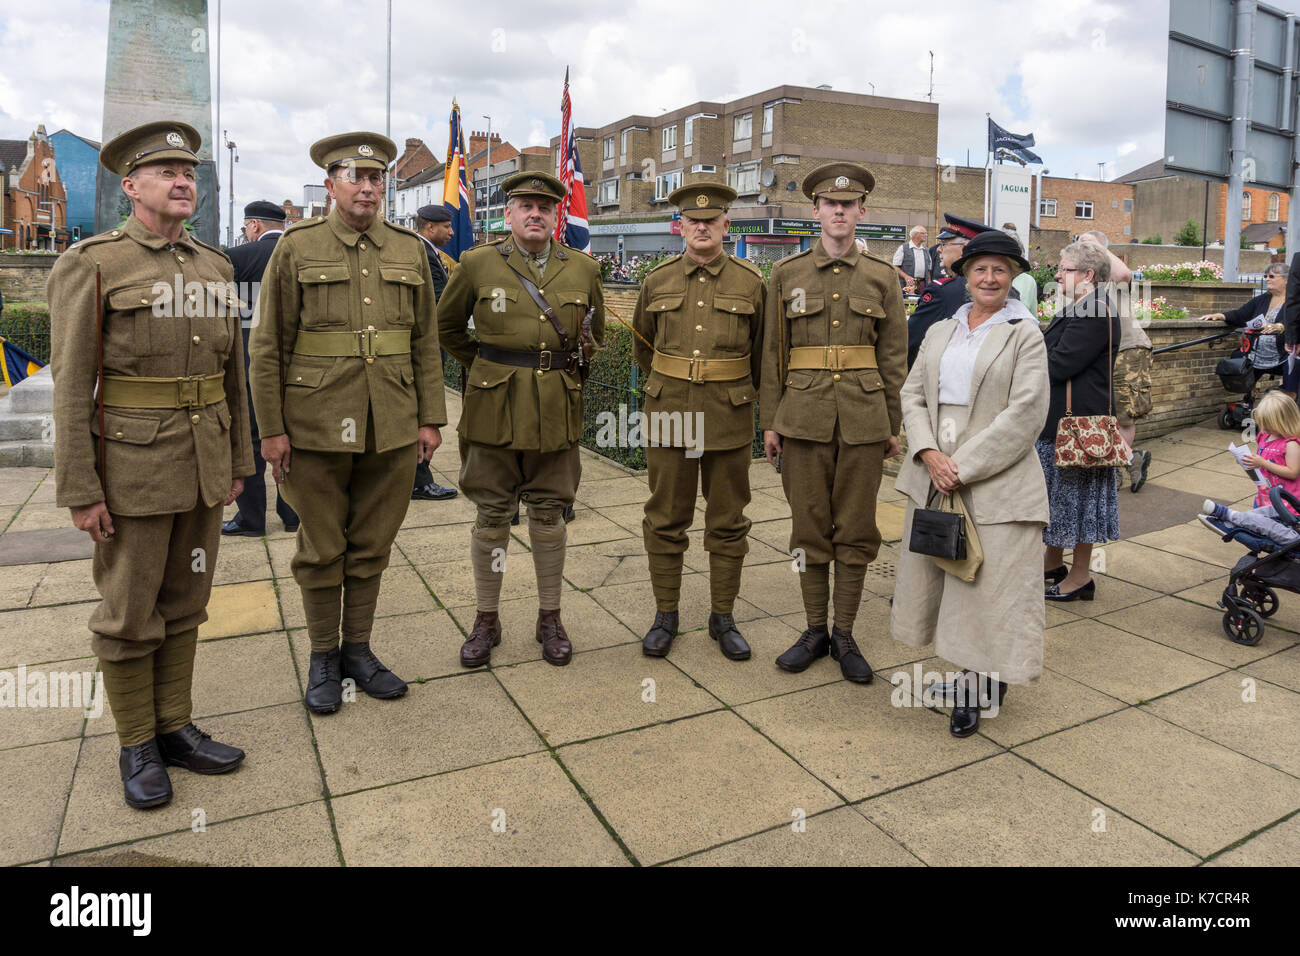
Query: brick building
(489, 218)
(1167, 200)
(35, 205)
(762, 145)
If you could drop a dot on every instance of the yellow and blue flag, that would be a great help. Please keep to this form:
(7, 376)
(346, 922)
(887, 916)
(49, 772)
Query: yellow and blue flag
(455, 191)
(17, 364)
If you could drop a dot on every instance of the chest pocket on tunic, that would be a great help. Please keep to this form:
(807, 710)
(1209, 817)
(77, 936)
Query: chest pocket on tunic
(400, 283)
(868, 311)
(663, 309)
(734, 314)
(325, 296)
(797, 309)
(218, 324)
(142, 319)
(570, 306)
(493, 308)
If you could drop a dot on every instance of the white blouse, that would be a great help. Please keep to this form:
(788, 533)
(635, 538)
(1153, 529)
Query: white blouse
(957, 364)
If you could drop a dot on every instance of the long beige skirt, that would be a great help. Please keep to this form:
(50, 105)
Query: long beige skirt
(993, 625)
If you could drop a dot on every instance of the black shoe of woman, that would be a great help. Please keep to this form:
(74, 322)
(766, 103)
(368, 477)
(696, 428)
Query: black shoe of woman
(1055, 576)
(1085, 593)
(965, 720)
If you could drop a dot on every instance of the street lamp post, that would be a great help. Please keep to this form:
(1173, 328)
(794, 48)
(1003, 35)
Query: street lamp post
(234, 158)
(487, 195)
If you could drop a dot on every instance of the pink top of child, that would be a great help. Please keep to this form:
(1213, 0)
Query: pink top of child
(1273, 448)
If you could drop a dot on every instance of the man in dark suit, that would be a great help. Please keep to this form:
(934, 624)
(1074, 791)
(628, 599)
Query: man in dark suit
(433, 224)
(263, 227)
(1291, 308)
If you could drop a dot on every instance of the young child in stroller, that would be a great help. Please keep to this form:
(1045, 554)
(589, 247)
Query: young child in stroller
(1278, 461)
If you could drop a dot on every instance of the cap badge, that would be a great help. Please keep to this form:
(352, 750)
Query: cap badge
(535, 184)
(365, 150)
(841, 182)
(701, 200)
(174, 139)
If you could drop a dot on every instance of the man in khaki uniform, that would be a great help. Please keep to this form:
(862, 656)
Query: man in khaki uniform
(147, 472)
(522, 414)
(834, 360)
(699, 325)
(347, 384)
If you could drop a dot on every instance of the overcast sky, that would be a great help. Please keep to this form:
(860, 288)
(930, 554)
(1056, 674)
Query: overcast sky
(1086, 77)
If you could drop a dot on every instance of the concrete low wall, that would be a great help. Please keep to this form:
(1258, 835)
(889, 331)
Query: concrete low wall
(23, 277)
(1200, 298)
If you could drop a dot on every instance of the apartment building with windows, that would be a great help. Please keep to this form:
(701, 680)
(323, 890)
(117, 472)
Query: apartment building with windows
(762, 146)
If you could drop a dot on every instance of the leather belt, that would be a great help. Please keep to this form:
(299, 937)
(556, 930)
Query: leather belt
(546, 360)
(700, 370)
(359, 343)
(834, 357)
(135, 391)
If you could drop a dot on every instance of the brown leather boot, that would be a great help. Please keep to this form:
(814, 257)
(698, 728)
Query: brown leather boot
(556, 648)
(485, 635)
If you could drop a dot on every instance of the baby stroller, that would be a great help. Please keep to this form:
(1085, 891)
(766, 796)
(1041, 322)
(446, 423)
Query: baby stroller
(1239, 374)
(1251, 594)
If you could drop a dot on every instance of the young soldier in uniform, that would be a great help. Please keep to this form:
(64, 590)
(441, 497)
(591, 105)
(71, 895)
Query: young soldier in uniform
(347, 382)
(522, 416)
(834, 360)
(699, 324)
(173, 445)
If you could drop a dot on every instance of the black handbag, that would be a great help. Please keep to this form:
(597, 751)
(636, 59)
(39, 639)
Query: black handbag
(939, 534)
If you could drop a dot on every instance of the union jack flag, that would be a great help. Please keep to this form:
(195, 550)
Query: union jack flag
(571, 228)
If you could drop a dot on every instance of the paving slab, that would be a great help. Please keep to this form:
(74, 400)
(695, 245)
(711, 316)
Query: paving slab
(243, 561)
(47, 517)
(1193, 540)
(1188, 627)
(856, 740)
(1178, 784)
(1280, 630)
(18, 582)
(1202, 483)
(1121, 664)
(606, 492)
(65, 582)
(1112, 595)
(249, 608)
(279, 771)
(634, 604)
(1282, 668)
(588, 624)
(41, 635)
(713, 779)
(54, 542)
(435, 545)
(416, 647)
(610, 562)
(519, 812)
(1006, 812)
(296, 836)
(438, 726)
(1152, 568)
(34, 786)
(738, 682)
(1276, 846)
(841, 837)
(1183, 453)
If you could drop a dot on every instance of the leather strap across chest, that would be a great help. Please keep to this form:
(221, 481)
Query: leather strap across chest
(832, 357)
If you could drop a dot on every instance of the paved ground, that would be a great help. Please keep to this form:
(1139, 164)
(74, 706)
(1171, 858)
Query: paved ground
(1150, 740)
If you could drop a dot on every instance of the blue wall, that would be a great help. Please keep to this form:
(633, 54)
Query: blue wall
(77, 162)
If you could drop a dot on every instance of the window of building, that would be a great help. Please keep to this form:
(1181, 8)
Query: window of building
(743, 178)
(666, 183)
(1047, 207)
(1128, 205)
(670, 138)
(609, 148)
(743, 126)
(622, 145)
(1245, 206)
(785, 159)
(1128, 230)
(769, 117)
(688, 130)
(704, 168)
(1083, 209)
(607, 192)
(1272, 207)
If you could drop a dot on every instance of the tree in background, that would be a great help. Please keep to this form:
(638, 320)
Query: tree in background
(1189, 235)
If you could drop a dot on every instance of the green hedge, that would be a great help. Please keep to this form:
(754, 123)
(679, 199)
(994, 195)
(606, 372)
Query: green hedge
(27, 325)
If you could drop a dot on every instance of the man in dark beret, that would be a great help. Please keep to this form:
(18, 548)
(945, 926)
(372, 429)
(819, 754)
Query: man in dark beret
(433, 225)
(263, 226)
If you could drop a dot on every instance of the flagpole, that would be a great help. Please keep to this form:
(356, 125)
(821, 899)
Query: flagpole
(988, 162)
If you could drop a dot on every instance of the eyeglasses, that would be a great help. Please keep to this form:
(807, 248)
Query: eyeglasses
(354, 176)
(169, 175)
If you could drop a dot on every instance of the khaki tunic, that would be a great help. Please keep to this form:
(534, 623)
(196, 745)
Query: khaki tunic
(505, 405)
(709, 311)
(170, 311)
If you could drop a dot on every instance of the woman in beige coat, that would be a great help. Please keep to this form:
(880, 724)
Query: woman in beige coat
(973, 405)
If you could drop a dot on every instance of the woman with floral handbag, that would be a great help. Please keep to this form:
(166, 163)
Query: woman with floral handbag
(1080, 448)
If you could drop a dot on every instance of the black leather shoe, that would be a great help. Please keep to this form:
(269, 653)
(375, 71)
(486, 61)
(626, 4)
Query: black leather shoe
(196, 751)
(144, 777)
(433, 492)
(1055, 576)
(965, 720)
(812, 644)
(360, 663)
(722, 628)
(236, 526)
(324, 682)
(569, 514)
(291, 526)
(659, 639)
(945, 695)
(853, 665)
(1085, 593)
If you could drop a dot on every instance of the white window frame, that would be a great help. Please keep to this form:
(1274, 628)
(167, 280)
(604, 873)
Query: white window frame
(738, 177)
(748, 120)
(1274, 204)
(784, 159)
(608, 152)
(669, 138)
(665, 183)
(704, 168)
(1047, 207)
(607, 192)
(1083, 209)
(769, 118)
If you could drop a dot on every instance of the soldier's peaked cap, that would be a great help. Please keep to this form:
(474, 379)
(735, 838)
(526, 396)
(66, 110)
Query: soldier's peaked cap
(533, 183)
(262, 209)
(362, 149)
(702, 200)
(151, 143)
(839, 181)
(959, 227)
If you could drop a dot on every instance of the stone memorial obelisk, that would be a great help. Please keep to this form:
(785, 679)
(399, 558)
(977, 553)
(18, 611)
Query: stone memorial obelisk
(158, 68)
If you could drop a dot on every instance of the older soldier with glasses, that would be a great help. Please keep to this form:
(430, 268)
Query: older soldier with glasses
(147, 467)
(347, 381)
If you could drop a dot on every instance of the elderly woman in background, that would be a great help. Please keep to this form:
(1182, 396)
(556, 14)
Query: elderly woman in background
(1264, 315)
(972, 406)
(1082, 342)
